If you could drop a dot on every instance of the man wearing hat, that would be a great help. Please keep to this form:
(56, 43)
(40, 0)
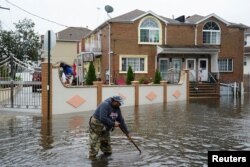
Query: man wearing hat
(107, 116)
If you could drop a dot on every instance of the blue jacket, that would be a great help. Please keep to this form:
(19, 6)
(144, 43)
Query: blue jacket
(106, 114)
(67, 70)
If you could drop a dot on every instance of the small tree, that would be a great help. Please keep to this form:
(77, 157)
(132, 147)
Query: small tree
(24, 41)
(91, 74)
(157, 78)
(130, 76)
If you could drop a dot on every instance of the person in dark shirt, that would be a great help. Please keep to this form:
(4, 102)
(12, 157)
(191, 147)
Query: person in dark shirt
(68, 72)
(106, 117)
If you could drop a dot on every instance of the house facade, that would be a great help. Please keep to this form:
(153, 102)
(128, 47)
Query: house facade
(247, 61)
(247, 52)
(210, 47)
(66, 41)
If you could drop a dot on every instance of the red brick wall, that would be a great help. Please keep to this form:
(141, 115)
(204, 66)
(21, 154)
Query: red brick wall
(231, 47)
(126, 42)
(180, 35)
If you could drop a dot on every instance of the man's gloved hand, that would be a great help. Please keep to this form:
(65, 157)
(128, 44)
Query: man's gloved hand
(117, 124)
(129, 137)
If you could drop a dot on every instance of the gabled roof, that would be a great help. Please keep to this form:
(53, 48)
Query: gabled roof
(137, 14)
(72, 34)
(128, 17)
(196, 19)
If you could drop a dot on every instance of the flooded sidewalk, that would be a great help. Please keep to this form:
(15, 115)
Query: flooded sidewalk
(174, 134)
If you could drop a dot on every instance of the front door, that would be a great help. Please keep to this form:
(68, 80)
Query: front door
(164, 66)
(203, 69)
(191, 66)
(177, 64)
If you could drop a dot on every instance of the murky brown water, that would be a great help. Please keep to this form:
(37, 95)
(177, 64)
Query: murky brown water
(175, 134)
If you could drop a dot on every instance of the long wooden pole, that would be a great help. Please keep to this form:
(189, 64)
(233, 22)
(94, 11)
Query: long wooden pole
(130, 139)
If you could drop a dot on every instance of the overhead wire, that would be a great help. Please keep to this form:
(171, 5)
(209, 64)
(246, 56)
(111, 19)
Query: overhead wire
(35, 14)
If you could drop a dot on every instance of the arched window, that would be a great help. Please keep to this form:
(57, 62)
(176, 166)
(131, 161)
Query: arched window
(149, 31)
(211, 33)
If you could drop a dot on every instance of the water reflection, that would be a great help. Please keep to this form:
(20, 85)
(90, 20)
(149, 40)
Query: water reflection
(46, 134)
(173, 134)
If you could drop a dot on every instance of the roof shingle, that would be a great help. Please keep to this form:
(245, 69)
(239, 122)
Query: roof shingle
(72, 33)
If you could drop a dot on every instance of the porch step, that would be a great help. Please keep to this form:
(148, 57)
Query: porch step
(203, 90)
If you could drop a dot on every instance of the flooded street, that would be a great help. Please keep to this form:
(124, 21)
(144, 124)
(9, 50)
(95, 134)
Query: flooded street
(175, 134)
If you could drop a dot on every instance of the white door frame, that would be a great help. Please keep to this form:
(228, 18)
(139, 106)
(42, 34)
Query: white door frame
(163, 73)
(203, 69)
(179, 68)
(192, 70)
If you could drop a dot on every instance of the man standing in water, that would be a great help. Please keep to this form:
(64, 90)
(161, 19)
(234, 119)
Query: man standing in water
(107, 116)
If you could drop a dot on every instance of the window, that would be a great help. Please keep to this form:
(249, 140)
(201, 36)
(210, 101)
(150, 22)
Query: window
(149, 31)
(225, 65)
(137, 63)
(211, 33)
(245, 60)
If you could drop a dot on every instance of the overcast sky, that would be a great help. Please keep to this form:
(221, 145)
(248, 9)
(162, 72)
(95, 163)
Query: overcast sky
(91, 13)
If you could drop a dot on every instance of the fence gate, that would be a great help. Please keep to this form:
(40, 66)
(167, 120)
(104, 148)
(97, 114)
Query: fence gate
(20, 84)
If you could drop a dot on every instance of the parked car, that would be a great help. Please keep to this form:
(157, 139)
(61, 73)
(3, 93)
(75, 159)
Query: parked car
(37, 76)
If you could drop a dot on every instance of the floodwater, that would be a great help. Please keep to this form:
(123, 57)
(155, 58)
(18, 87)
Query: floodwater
(174, 134)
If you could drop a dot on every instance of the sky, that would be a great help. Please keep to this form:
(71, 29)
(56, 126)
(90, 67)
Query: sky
(91, 13)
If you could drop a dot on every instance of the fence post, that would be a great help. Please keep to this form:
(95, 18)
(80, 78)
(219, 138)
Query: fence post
(164, 84)
(98, 85)
(136, 85)
(45, 107)
(187, 80)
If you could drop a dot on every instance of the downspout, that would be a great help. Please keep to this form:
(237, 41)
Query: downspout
(166, 35)
(109, 50)
(195, 35)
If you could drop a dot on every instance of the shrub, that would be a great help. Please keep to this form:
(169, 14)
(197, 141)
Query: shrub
(144, 81)
(130, 76)
(90, 74)
(157, 78)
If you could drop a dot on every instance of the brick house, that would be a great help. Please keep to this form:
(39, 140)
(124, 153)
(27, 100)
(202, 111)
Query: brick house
(247, 52)
(247, 61)
(207, 46)
(66, 41)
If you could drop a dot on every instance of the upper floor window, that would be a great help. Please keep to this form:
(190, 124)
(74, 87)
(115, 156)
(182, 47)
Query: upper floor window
(211, 33)
(149, 31)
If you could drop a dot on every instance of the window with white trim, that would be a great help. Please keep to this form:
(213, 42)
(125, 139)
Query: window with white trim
(211, 33)
(225, 65)
(138, 64)
(149, 31)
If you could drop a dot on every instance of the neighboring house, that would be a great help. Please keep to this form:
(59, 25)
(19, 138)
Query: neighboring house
(66, 42)
(146, 42)
(247, 60)
(247, 52)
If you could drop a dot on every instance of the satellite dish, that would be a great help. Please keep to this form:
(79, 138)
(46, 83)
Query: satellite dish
(109, 9)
